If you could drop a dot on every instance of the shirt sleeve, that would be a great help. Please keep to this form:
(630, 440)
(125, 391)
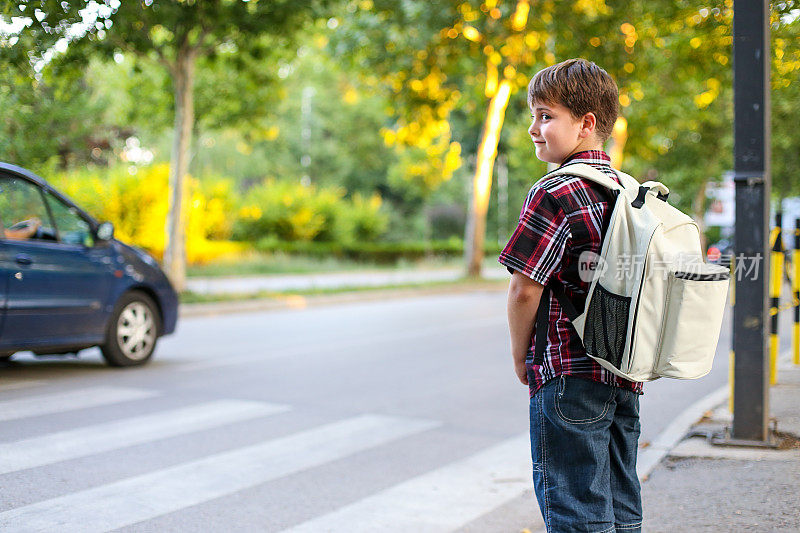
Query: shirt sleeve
(536, 248)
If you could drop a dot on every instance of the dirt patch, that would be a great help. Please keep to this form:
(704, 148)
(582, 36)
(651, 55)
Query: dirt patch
(787, 441)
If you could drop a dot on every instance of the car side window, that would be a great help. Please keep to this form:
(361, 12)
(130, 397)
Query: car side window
(24, 212)
(71, 226)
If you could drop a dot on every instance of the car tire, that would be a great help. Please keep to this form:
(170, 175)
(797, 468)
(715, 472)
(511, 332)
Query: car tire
(132, 331)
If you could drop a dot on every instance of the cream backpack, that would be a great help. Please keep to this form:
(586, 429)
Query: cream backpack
(654, 307)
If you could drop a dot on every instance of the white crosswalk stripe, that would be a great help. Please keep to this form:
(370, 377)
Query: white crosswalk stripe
(81, 442)
(19, 384)
(143, 497)
(439, 501)
(69, 401)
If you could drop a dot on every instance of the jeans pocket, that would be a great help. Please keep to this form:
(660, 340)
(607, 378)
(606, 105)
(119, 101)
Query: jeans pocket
(580, 401)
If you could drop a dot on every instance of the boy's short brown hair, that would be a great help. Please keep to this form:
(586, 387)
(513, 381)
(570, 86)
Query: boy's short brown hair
(580, 86)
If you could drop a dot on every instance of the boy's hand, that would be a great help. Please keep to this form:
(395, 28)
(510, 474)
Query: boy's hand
(522, 372)
(523, 302)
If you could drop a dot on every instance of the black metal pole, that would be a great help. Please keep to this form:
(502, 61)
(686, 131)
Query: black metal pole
(796, 294)
(751, 174)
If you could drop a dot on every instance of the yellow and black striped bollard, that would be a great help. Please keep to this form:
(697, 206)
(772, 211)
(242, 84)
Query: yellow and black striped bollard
(796, 293)
(732, 355)
(775, 282)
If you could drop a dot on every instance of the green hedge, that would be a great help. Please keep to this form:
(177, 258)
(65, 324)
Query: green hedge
(373, 252)
(289, 211)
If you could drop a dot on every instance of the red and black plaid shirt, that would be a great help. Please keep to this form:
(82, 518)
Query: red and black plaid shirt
(563, 216)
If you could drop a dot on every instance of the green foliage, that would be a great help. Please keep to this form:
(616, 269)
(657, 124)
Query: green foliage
(325, 128)
(676, 96)
(381, 107)
(362, 220)
(153, 42)
(228, 42)
(231, 89)
(713, 234)
(672, 61)
(45, 119)
(134, 94)
(785, 96)
(290, 211)
(378, 252)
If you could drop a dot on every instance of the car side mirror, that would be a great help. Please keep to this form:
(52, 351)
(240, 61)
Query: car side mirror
(105, 231)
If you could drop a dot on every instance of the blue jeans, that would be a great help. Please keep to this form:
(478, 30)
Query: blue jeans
(583, 443)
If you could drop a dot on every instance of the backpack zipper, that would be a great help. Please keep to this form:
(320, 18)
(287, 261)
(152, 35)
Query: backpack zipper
(665, 310)
(703, 277)
(638, 298)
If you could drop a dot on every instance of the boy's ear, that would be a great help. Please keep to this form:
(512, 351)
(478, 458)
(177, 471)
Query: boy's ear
(588, 123)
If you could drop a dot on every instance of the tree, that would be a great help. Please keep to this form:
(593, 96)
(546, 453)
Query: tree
(446, 58)
(45, 111)
(442, 57)
(785, 32)
(175, 34)
(31, 105)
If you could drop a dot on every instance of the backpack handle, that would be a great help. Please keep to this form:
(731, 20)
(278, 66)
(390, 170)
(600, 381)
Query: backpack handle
(662, 189)
(659, 188)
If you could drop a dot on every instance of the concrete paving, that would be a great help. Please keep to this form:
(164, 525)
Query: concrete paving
(702, 486)
(689, 483)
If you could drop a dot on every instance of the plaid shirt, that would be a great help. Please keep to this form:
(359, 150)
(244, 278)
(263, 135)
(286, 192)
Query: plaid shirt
(563, 216)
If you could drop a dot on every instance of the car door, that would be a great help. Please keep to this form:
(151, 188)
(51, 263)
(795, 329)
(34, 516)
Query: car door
(4, 271)
(58, 288)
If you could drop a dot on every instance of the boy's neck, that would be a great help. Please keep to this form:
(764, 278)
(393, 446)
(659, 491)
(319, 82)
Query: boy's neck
(598, 147)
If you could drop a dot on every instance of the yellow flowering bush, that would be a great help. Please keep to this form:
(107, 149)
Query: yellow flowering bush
(292, 212)
(136, 201)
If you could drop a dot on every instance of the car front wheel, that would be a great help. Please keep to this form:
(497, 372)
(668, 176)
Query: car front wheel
(132, 331)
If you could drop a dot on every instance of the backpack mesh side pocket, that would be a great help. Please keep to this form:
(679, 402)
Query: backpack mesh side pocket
(607, 325)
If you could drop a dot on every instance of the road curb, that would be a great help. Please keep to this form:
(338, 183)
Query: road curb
(676, 430)
(296, 301)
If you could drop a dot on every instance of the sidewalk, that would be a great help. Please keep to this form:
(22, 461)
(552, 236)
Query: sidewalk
(332, 280)
(702, 487)
(295, 301)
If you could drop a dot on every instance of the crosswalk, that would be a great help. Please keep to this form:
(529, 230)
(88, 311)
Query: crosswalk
(441, 500)
(64, 445)
(69, 401)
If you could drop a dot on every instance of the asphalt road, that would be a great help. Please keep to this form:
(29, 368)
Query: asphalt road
(402, 415)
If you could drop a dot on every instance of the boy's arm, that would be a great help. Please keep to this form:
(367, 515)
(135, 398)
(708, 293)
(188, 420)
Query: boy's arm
(523, 302)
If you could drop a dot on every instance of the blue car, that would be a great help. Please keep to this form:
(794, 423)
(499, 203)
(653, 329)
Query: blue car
(66, 284)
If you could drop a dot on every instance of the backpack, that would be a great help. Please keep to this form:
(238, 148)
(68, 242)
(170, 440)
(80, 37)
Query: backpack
(654, 307)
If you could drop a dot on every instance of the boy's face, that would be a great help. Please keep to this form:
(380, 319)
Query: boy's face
(555, 133)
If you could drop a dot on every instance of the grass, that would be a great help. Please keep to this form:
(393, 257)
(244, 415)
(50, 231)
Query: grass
(259, 263)
(188, 297)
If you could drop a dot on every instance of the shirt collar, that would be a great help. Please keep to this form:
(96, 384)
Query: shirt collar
(595, 157)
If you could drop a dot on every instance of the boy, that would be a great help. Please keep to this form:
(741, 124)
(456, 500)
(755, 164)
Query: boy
(584, 420)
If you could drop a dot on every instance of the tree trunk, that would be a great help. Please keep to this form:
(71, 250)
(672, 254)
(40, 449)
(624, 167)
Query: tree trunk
(183, 83)
(699, 213)
(482, 182)
(619, 135)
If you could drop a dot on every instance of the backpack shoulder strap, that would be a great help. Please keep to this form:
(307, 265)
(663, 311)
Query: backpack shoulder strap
(592, 174)
(542, 325)
(543, 318)
(628, 181)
